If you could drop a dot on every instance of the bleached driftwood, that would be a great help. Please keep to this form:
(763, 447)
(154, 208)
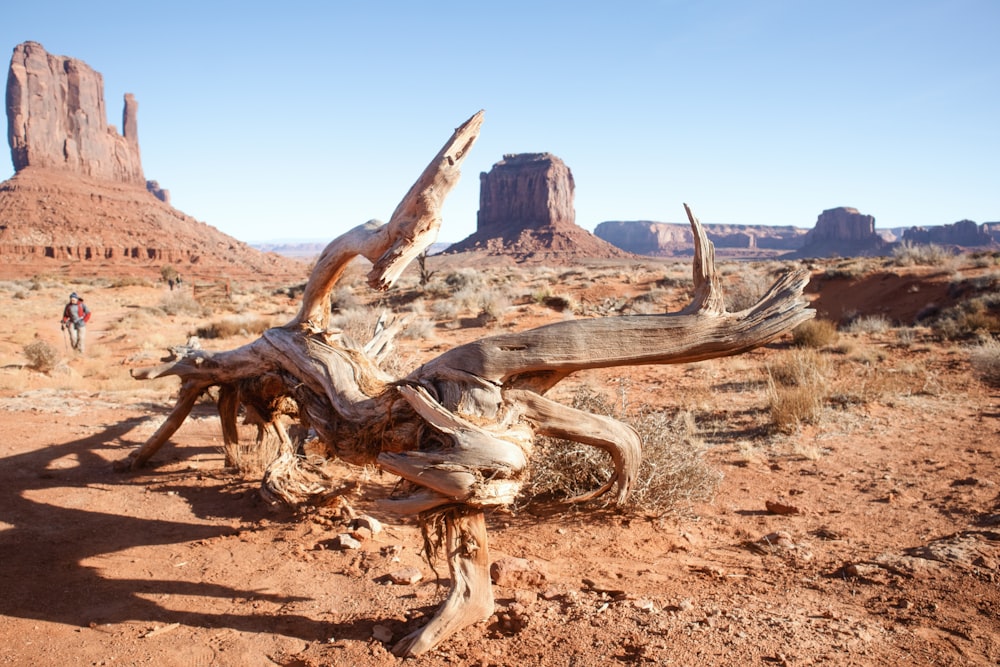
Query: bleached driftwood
(459, 429)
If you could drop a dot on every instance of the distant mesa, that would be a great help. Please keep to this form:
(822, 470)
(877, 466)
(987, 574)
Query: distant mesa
(962, 233)
(843, 232)
(674, 239)
(526, 212)
(839, 232)
(79, 197)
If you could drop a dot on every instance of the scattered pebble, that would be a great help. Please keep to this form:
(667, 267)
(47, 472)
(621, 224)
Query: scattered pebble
(406, 576)
(345, 541)
(382, 633)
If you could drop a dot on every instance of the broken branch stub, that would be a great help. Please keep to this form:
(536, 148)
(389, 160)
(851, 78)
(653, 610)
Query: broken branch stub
(459, 430)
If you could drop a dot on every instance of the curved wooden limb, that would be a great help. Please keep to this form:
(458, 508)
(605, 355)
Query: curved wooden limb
(392, 246)
(539, 358)
(470, 465)
(187, 397)
(414, 224)
(470, 598)
(707, 285)
(619, 440)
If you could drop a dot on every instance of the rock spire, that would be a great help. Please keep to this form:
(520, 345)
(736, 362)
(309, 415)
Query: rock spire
(56, 119)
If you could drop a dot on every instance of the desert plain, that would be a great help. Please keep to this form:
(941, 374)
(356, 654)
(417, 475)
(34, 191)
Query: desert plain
(845, 509)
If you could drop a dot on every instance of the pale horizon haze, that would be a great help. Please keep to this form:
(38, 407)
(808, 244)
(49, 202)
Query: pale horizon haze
(301, 120)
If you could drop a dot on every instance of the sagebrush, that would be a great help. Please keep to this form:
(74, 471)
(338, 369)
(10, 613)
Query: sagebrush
(672, 476)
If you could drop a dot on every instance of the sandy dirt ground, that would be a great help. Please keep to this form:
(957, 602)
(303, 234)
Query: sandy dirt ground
(869, 537)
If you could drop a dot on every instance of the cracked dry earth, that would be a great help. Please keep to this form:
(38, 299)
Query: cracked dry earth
(870, 537)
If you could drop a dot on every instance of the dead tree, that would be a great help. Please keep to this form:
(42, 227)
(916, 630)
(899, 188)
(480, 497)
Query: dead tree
(458, 430)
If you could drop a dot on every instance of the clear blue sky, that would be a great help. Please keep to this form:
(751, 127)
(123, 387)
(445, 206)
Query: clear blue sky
(300, 120)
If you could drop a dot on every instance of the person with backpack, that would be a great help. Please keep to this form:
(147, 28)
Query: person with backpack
(74, 319)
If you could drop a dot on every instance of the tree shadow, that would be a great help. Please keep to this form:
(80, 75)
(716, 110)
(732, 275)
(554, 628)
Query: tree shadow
(45, 545)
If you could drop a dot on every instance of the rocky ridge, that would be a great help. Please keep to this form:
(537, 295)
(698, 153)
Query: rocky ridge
(670, 239)
(962, 233)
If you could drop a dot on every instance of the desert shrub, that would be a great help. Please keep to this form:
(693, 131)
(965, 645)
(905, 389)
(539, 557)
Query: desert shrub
(910, 254)
(672, 474)
(445, 309)
(417, 325)
(985, 360)
(797, 389)
(815, 333)
(168, 272)
(493, 303)
(667, 282)
(464, 278)
(227, 328)
(356, 323)
(978, 317)
(181, 303)
(844, 272)
(41, 356)
(558, 303)
(344, 298)
(129, 281)
(906, 336)
(868, 324)
(745, 291)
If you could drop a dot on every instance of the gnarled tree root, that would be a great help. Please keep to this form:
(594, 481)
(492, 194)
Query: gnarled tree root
(470, 598)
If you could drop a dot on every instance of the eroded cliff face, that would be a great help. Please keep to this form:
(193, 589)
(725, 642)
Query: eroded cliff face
(965, 233)
(79, 201)
(671, 239)
(843, 231)
(526, 191)
(56, 119)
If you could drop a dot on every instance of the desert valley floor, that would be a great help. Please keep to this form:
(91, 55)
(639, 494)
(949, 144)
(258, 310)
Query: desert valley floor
(868, 534)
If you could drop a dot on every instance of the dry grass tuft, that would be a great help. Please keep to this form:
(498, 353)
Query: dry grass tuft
(673, 473)
(815, 333)
(910, 254)
(41, 355)
(238, 326)
(797, 389)
(985, 359)
(869, 324)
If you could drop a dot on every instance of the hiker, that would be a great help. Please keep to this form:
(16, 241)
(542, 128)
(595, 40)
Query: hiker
(74, 320)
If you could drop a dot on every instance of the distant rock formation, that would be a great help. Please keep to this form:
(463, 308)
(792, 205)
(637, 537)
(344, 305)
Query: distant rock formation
(965, 233)
(56, 119)
(526, 211)
(78, 200)
(842, 232)
(153, 187)
(671, 239)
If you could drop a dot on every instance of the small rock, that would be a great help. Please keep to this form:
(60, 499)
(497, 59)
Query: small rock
(406, 576)
(516, 573)
(779, 539)
(382, 634)
(525, 597)
(361, 534)
(775, 507)
(551, 593)
(345, 541)
(369, 523)
(644, 604)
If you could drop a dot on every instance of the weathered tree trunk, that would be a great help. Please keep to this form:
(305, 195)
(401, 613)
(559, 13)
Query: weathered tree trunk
(459, 429)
